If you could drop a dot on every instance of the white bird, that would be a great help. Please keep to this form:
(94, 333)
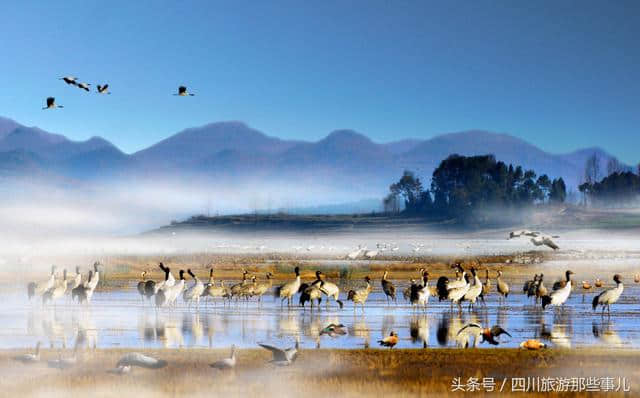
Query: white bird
(356, 253)
(330, 289)
(77, 280)
(558, 297)
(84, 86)
(57, 291)
(522, 232)
(103, 89)
(475, 290)
(282, 357)
(289, 289)
(419, 294)
(226, 363)
(545, 240)
(194, 292)
(93, 282)
(38, 289)
(29, 358)
(182, 92)
(70, 80)
(120, 370)
(371, 253)
(609, 296)
(141, 360)
(51, 104)
(172, 292)
(458, 293)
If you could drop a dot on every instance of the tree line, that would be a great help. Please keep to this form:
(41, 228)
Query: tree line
(619, 188)
(461, 185)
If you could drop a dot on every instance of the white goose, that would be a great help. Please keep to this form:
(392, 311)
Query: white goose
(226, 363)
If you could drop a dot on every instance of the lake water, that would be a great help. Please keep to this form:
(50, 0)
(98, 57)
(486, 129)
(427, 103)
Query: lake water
(121, 319)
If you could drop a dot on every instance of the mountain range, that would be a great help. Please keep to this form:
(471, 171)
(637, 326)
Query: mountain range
(233, 151)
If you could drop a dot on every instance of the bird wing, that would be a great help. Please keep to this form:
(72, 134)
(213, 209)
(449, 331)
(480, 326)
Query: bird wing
(497, 331)
(551, 244)
(106, 86)
(470, 328)
(278, 353)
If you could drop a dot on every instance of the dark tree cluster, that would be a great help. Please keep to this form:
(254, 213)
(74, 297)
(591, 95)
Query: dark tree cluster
(618, 189)
(460, 185)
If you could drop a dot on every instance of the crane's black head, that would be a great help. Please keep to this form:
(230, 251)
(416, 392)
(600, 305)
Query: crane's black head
(190, 273)
(367, 279)
(269, 275)
(181, 274)
(297, 271)
(318, 274)
(617, 278)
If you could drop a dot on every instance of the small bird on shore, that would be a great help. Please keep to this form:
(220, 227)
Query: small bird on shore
(29, 358)
(533, 345)
(227, 363)
(282, 357)
(390, 341)
(141, 360)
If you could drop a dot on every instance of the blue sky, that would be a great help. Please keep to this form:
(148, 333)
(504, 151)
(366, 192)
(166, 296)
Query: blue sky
(560, 74)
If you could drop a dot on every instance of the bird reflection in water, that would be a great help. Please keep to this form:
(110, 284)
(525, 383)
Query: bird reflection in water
(419, 330)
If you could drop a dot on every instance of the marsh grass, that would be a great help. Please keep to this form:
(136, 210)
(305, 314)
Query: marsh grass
(344, 373)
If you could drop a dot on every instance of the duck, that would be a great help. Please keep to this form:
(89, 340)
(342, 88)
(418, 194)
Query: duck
(333, 330)
(390, 341)
(609, 296)
(488, 335)
(533, 345)
(598, 283)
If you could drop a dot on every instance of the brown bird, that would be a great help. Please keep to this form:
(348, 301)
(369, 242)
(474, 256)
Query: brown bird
(599, 283)
(636, 278)
(532, 345)
(388, 288)
(586, 285)
(503, 287)
(389, 341)
(487, 334)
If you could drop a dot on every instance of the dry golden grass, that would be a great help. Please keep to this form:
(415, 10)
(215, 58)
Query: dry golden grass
(344, 373)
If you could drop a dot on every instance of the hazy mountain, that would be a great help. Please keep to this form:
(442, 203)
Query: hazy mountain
(232, 150)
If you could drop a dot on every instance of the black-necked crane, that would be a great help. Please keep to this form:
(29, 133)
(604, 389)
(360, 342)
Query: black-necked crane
(503, 287)
(609, 296)
(182, 92)
(141, 360)
(311, 292)
(226, 363)
(77, 279)
(235, 289)
(541, 289)
(474, 291)
(282, 357)
(331, 290)
(262, 288)
(533, 287)
(38, 289)
(488, 335)
(84, 86)
(70, 80)
(173, 292)
(194, 292)
(390, 341)
(141, 285)
(51, 104)
(56, 292)
(527, 284)
(486, 285)
(289, 289)
(419, 295)
(103, 89)
(533, 345)
(93, 283)
(387, 287)
(456, 295)
(29, 358)
(80, 292)
(359, 296)
(559, 297)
